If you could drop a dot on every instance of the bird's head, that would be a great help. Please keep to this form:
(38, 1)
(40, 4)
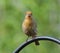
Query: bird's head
(28, 14)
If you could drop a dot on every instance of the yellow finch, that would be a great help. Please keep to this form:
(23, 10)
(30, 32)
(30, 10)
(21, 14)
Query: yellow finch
(29, 26)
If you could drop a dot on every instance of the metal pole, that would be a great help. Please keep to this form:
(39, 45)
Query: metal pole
(37, 38)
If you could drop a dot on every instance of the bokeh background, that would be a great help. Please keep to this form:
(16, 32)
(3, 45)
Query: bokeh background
(45, 12)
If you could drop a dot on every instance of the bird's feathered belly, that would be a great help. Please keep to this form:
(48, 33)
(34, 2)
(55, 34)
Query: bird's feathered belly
(28, 27)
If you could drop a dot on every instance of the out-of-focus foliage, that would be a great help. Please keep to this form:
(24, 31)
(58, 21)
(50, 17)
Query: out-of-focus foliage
(47, 15)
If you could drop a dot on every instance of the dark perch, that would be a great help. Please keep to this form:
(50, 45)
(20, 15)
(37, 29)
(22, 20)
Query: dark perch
(37, 38)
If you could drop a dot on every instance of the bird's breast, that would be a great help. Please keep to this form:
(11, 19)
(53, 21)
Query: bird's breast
(28, 23)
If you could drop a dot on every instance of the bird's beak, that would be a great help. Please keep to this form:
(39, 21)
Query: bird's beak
(29, 15)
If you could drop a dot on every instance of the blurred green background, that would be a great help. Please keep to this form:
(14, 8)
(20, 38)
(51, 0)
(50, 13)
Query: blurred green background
(47, 16)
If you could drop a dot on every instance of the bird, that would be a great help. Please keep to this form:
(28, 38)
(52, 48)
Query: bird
(29, 26)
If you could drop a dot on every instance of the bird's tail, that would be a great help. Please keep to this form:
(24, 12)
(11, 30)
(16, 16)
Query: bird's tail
(36, 42)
